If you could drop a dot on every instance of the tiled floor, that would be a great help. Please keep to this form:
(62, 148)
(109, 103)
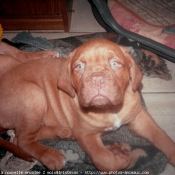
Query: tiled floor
(158, 94)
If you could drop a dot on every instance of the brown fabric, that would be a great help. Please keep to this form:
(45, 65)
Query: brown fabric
(160, 13)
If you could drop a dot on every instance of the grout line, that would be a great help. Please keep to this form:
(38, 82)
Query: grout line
(158, 92)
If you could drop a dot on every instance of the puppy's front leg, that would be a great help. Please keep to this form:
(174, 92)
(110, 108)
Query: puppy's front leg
(145, 126)
(103, 157)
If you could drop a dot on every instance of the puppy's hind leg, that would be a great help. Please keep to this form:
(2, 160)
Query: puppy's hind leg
(29, 122)
(50, 157)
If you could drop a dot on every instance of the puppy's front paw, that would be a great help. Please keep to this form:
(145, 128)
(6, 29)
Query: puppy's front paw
(53, 159)
(121, 151)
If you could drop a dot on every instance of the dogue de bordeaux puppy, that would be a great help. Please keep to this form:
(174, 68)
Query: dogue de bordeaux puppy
(81, 97)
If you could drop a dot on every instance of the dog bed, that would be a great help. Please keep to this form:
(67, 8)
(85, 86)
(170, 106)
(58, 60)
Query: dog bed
(146, 158)
(147, 18)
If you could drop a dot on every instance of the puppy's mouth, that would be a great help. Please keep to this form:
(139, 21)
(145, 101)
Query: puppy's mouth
(100, 101)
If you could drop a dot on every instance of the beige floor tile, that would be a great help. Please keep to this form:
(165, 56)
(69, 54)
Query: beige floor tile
(162, 108)
(170, 170)
(159, 85)
(9, 35)
(84, 18)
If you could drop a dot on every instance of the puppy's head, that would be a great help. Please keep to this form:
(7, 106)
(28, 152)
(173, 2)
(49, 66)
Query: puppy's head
(100, 71)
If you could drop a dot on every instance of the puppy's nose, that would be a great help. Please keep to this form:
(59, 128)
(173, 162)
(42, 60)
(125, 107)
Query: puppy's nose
(98, 80)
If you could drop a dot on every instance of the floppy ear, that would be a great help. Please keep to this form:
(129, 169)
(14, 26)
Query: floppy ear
(135, 73)
(64, 81)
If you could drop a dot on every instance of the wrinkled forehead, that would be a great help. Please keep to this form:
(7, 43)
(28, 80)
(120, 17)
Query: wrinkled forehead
(99, 53)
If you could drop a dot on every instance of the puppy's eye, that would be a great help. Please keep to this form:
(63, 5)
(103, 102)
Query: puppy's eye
(80, 67)
(115, 65)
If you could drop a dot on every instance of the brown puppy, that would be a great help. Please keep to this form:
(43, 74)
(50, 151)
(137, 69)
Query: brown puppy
(92, 92)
